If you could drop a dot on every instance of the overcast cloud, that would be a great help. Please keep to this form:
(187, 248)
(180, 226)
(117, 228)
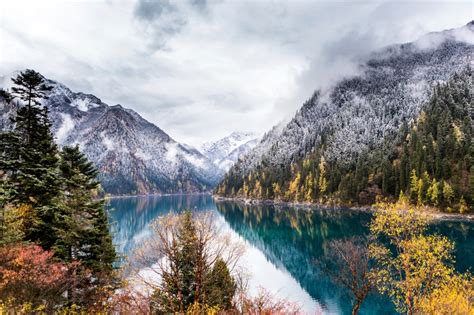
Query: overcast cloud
(202, 69)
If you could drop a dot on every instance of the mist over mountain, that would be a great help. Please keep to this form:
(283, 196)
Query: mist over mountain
(356, 114)
(347, 123)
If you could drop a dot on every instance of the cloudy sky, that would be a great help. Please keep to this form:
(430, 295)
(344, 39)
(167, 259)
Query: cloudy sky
(201, 69)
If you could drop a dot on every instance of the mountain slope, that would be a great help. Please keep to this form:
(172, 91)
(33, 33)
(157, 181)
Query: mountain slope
(354, 117)
(226, 151)
(132, 154)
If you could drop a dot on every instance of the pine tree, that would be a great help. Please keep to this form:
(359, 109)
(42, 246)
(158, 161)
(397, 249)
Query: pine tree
(413, 185)
(82, 228)
(221, 286)
(179, 282)
(31, 166)
(83, 225)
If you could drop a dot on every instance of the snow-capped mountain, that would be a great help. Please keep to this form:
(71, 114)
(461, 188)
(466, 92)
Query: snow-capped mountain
(358, 113)
(132, 154)
(226, 151)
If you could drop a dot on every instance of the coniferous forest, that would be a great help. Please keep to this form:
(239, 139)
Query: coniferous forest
(430, 161)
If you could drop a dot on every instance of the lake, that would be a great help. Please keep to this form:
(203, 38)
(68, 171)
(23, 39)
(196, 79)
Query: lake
(282, 243)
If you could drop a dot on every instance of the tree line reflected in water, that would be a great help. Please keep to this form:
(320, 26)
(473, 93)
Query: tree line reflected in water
(294, 239)
(290, 238)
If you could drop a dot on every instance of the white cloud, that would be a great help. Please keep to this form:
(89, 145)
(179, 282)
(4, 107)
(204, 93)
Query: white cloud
(202, 69)
(67, 125)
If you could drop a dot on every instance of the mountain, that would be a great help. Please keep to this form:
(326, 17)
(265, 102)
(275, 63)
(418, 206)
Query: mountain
(226, 151)
(133, 155)
(339, 129)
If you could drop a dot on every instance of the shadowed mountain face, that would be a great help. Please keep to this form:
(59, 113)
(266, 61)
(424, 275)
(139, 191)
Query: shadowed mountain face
(133, 155)
(357, 114)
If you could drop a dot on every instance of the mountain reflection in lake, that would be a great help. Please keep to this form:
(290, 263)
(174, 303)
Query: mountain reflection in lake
(283, 243)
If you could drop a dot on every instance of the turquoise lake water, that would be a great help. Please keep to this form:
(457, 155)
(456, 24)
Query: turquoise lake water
(282, 244)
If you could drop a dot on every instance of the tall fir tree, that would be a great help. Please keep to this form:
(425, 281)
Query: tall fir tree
(31, 158)
(82, 227)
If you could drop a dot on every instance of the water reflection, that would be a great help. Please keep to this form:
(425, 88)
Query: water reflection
(284, 242)
(295, 238)
(132, 215)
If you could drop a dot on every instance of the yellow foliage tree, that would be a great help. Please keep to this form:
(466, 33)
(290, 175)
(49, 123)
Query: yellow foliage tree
(258, 190)
(14, 221)
(245, 189)
(309, 183)
(452, 297)
(293, 188)
(413, 265)
(462, 205)
(276, 190)
(448, 192)
(413, 185)
(433, 192)
(322, 182)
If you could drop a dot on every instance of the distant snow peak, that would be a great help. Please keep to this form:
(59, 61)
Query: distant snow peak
(226, 151)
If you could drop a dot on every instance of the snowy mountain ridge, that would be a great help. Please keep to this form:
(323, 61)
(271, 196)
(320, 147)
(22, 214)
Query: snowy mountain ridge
(356, 114)
(133, 155)
(226, 151)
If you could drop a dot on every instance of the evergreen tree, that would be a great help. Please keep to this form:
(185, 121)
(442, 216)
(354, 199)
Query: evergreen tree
(82, 226)
(221, 286)
(31, 159)
(179, 281)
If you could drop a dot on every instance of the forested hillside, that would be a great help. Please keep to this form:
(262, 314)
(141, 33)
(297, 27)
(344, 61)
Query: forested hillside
(430, 160)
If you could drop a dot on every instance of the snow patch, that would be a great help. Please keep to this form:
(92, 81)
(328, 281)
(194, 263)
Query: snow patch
(109, 144)
(81, 104)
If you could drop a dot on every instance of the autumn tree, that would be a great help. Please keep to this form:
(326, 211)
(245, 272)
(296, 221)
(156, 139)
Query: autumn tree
(347, 262)
(30, 276)
(454, 296)
(410, 264)
(322, 181)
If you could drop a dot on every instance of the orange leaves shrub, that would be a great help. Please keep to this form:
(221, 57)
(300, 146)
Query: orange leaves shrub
(29, 275)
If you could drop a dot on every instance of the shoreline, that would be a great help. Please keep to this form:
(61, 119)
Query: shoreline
(437, 216)
(156, 195)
